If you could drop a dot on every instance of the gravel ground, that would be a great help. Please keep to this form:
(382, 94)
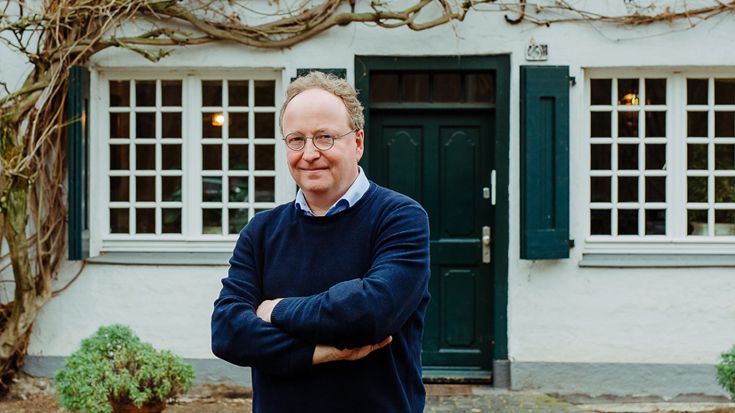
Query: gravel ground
(36, 395)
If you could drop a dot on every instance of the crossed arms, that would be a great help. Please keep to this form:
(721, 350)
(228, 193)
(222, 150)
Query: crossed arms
(358, 315)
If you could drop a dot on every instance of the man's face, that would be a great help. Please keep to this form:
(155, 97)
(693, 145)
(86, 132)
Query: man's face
(324, 176)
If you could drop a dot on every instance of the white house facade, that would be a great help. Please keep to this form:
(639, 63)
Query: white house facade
(638, 189)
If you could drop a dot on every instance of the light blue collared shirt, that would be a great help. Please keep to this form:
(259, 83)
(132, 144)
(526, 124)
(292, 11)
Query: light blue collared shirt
(353, 194)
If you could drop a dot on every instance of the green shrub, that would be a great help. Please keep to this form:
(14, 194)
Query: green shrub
(113, 365)
(726, 371)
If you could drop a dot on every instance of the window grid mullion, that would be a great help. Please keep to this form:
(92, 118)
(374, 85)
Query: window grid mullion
(225, 155)
(251, 148)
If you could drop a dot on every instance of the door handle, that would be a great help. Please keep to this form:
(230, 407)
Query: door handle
(486, 258)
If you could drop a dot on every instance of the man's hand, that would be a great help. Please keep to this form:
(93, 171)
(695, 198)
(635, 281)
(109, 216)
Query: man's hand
(325, 354)
(266, 308)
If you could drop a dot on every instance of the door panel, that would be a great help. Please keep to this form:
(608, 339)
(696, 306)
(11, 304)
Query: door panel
(443, 160)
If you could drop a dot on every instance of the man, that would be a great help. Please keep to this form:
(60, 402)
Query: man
(325, 296)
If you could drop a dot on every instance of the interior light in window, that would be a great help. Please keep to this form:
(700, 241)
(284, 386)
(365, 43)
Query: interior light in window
(218, 119)
(630, 99)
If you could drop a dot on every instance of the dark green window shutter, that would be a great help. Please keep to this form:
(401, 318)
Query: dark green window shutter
(77, 104)
(544, 162)
(340, 73)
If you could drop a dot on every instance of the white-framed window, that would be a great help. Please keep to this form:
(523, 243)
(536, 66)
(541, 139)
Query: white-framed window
(187, 158)
(661, 160)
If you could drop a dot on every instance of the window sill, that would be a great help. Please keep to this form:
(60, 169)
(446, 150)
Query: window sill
(609, 260)
(162, 258)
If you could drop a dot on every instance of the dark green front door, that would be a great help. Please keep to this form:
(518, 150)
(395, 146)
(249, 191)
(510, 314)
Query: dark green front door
(443, 159)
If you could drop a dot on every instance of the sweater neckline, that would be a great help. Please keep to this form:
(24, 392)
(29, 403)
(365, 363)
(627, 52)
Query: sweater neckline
(328, 218)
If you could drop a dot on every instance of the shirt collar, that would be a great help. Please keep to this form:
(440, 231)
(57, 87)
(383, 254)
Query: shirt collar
(353, 194)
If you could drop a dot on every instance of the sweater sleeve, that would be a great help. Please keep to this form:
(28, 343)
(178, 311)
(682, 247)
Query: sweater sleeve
(366, 310)
(239, 336)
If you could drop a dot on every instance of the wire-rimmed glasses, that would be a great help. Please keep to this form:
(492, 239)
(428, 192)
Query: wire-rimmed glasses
(322, 141)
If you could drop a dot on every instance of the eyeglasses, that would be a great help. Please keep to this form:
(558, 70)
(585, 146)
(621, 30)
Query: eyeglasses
(321, 141)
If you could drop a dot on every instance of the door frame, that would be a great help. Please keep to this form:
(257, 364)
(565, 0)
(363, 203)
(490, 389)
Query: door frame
(500, 64)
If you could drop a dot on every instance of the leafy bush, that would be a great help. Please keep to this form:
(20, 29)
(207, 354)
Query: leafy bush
(726, 371)
(113, 365)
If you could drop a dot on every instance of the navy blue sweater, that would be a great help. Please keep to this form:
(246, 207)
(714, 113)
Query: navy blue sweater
(347, 280)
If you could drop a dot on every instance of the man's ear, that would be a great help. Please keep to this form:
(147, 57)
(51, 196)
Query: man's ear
(360, 143)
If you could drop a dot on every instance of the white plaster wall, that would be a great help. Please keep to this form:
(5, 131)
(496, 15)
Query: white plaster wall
(557, 311)
(170, 307)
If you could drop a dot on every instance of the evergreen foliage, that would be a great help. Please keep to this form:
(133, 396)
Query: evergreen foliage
(113, 365)
(726, 371)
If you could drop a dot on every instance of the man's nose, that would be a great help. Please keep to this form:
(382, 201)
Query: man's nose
(310, 151)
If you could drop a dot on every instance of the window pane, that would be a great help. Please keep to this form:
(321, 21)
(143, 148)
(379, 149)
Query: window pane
(237, 91)
(238, 189)
(119, 188)
(724, 91)
(171, 220)
(145, 189)
(119, 157)
(171, 157)
(655, 157)
(600, 125)
(696, 156)
(627, 189)
(479, 87)
(238, 219)
(655, 222)
(145, 220)
(265, 189)
(725, 222)
(724, 189)
(238, 125)
(447, 87)
(238, 155)
(697, 124)
(600, 223)
(628, 91)
(697, 189)
(600, 157)
(145, 125)
(119, 221)
(697, 222)
(211, 93)
(627, 156)
(211, 221)
(171, 188)
(264, 125)
(600, 189)
(724, 156)
(145, 157)
(415, 87)
(212, 157)
(265, 157)
(212, 124)
(655, 124)
(384, 87)
(119, 93)
(265, 93)
(601, 92)
(171, 125)
(696, 91)
(628, 222)
(120, 125)
(211, 189)
(628, 124)
(725, 124)
(145, 93)
(171, 90)
(655, 189)
(656, 91)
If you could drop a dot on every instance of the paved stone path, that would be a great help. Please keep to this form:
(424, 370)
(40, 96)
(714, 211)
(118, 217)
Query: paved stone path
(450, 399)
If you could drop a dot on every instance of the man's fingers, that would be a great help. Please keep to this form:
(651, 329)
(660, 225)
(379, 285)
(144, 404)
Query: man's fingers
(383, 343)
